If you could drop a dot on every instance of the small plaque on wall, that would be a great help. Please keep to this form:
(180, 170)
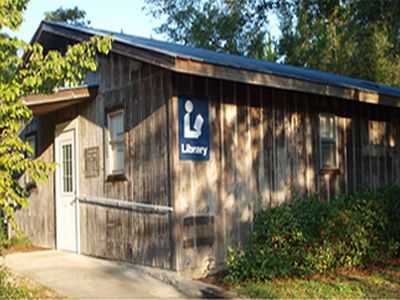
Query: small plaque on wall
(92, 164)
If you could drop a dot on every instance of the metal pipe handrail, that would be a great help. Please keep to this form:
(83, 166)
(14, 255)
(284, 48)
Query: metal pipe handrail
(123, 204)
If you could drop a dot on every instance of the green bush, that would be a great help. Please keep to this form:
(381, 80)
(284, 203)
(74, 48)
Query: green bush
(307, 236)
(19, 239)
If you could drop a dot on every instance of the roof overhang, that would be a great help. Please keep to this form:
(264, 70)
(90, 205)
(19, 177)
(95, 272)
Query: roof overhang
(198, 68)
(41, 104)
(284, 83)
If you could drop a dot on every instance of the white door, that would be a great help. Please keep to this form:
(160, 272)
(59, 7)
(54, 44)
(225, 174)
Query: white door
(66, 191)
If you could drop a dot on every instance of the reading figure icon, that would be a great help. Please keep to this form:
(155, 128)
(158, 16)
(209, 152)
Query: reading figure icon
(188, 133)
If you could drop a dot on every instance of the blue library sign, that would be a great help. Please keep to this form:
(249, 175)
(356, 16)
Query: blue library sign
(194, 128)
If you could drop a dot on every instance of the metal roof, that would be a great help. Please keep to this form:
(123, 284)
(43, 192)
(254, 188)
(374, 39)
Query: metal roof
(238, 62)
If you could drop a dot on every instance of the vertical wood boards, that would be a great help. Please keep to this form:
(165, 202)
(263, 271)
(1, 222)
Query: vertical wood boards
(37, 220)
(266, 144)
(125, 234)
(134, 236)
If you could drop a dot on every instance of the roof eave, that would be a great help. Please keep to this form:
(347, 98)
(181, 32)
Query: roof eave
(41, 104)
(282, 82)
(188, 66)
(142, 54)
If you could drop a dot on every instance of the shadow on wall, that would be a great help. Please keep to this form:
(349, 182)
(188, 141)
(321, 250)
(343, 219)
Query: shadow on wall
(264, 142)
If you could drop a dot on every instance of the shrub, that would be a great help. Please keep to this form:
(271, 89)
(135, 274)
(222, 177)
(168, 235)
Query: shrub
(391, 197)
(355, 228)
(307, 236)
(19, 239)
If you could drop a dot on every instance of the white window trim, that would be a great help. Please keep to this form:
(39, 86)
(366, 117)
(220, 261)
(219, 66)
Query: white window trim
(110, 158)
(321, 139)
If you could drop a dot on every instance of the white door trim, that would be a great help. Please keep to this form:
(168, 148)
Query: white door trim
(60, 128)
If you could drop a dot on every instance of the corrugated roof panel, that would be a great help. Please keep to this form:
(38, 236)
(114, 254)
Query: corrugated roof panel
(239, 62)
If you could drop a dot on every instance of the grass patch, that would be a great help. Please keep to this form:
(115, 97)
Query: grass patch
(16, 287)
(380, 282)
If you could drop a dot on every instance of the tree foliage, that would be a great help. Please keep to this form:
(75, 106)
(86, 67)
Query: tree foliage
(36, 71)
(223, 25)
(74, 16)
(359, 38)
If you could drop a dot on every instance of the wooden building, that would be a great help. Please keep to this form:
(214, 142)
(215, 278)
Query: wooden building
(167, 151)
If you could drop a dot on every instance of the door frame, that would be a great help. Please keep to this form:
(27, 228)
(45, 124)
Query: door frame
(61, 128)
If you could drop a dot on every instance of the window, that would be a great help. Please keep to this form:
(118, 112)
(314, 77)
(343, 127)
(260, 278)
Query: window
(116, 142)
(67, 179)
(328, 141)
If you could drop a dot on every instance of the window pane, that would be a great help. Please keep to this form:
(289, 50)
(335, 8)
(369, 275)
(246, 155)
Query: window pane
(328, 141)
(120, 159)
(328, 153)
(327, 125)
(67, 168)
(116, 126)
(117, 155)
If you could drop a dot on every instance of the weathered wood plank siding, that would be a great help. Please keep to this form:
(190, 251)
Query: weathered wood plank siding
(126, 234)
(37, 221)
(141, 236)
(265, 145)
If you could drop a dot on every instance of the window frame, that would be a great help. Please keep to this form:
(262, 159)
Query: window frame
(324, 139)
(111, 171)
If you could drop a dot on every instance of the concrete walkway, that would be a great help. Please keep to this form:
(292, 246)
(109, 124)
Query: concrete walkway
(85, 277)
